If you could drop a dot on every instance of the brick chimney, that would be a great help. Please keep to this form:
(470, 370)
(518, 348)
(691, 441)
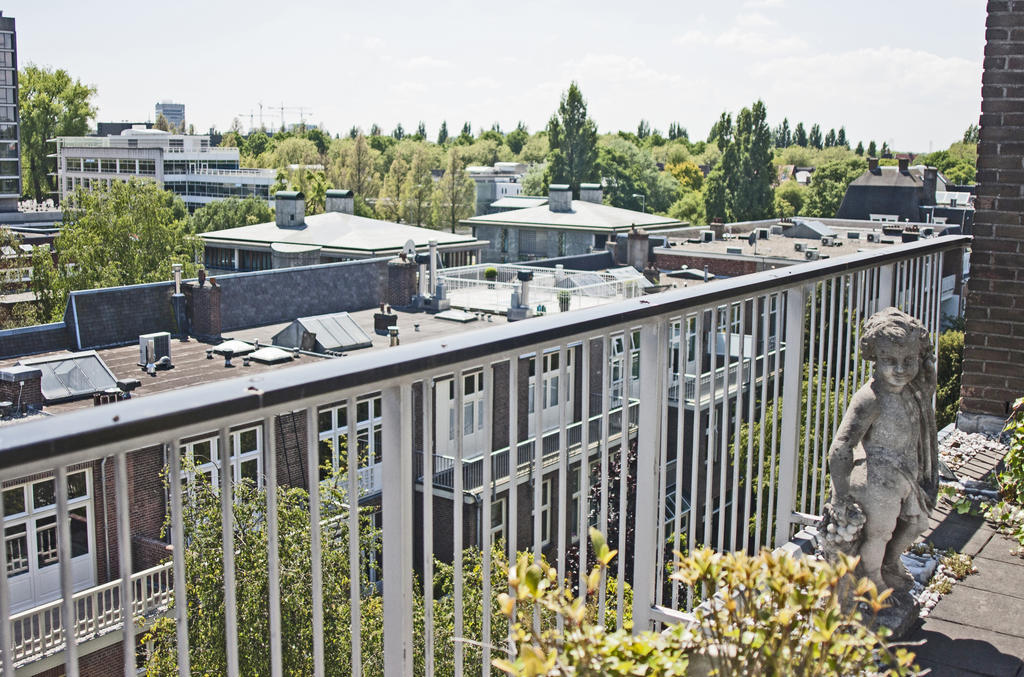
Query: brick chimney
(342, 201)
(402, 274)
(290, 208)
(931, 180)
(591, 192)
(559, 197)
(202, 303)
(22, 387)
(637, 248)
(904, 163)
(873, 165)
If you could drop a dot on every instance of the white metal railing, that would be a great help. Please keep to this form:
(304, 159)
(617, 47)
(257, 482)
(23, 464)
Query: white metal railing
(749, 463)
(98, 610)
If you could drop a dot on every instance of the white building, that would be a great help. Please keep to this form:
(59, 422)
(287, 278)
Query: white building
(184, 164)
(504, 179)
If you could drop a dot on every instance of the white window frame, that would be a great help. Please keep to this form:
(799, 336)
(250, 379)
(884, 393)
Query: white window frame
(545, 513)
(499, 506)
(239, 462)
(369, 426)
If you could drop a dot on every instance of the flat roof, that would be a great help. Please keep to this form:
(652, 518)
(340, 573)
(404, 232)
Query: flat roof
(583, 215)
(339, 232)
(782, 247)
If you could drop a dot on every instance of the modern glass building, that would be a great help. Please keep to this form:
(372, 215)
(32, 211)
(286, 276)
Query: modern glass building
(184, 164)
(10, 146)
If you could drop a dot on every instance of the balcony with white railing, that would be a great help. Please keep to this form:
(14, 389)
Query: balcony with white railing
(752, 470)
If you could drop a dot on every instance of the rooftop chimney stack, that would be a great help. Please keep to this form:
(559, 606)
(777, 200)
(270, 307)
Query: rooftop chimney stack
(290, 207)
(873, 165)
(342, 201)
(433, 265)
(637, 248)
(559, 198)
(591, 192)
(904, 163)
(931, 179)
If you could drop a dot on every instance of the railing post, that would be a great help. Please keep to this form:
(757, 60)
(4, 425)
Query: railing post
(653, 365)
(397, 530)
(886, 274)
(791, 388)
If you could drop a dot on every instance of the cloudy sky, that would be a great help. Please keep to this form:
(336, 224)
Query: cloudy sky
(906, 72)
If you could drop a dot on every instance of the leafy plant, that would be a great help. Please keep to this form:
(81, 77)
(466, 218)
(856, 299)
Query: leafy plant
(771, 615)
(490, 273)
(1011, 480)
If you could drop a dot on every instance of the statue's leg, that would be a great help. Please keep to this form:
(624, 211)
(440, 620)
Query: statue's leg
(881, 513)
(906, 532)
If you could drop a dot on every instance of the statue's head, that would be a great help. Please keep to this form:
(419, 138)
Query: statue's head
(896, 343)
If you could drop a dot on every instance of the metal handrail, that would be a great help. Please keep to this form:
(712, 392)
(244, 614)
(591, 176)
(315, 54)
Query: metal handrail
(36, 444)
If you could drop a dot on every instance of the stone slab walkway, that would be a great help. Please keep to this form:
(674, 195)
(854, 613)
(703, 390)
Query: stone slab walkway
(977, 629)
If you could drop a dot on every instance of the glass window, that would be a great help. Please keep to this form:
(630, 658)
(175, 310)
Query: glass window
(108, 166)
(7, 95)
(90, 164)
(7, 78)
(46, 541)
(8, 113)
(73, 164)
(9, 132)
(127, 167)
(77, 486)
(17, 549)
(6, 41)
(14, 501)
(6, 59)
(44, 493)
(8, 149)
(79, 532)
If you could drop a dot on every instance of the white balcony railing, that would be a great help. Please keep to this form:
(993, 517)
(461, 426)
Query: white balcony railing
(40, 631)
(751, 465)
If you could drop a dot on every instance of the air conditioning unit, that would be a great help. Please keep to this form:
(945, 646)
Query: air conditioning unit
(872, 237)
(707, 236)
(763, 233)
(826, 241)
(812, 254)
(799, 246)
(152, 347)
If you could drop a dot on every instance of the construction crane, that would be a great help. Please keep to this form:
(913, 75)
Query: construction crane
(301, 110)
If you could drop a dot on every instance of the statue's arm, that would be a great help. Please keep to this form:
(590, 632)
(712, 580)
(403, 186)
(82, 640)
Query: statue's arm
(858, 419)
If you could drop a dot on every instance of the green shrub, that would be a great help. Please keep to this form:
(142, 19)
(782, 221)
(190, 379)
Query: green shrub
(950, 365)
(1011, 480)
(772, 615)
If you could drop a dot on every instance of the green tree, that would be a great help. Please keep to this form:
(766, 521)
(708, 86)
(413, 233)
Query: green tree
(830, 138)
(872, 149)
(517, 138)
(972, 134)
(442, 133)
(689, 208)
(398, 133)
(790, 197)
(572, 138)
(454, 194)
(716, 194)
(677, 131)
(230, 213)
(294, 151)
(687, 173)
(828, 185)
(421, 131)
(354, 166)
(643, 130)
(860, 148)
(800, 135)
(814, 139)
(536, 149)
(164, 125)
(751, 185)
(628, 171)
(392, 193)
(782, 134)
(466, 136)
(51, 104)
(14, 261)
(841, 138)
(256, 144)
(419, 184)
(320, 139)
(128, 233)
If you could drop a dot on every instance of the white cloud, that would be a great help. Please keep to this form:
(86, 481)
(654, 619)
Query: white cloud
(372, 42)
(750, 32)
(617, 69)
(764, 3)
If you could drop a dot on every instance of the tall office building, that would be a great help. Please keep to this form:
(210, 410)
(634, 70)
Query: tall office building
(173, 112)
(10, 146)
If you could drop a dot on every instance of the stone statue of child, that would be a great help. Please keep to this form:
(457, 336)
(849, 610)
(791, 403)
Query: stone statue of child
(884, 459)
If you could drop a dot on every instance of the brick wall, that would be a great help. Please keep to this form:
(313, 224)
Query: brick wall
(994, 345)
(716, 266)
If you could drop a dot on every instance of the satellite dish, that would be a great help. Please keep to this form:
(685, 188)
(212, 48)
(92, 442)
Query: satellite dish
(409, 248)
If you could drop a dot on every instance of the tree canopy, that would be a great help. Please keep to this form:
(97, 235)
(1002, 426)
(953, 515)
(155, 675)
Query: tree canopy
(454, 194)
(572, 137)
(128, 233)
(52, 104)
(230, 213)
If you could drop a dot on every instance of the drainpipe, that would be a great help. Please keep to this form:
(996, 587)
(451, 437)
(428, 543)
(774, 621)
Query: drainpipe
(433, 266)
(106, 525)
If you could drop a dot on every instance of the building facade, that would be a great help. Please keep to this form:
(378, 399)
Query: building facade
(187, 165)
(174, 113)
(10, 137)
